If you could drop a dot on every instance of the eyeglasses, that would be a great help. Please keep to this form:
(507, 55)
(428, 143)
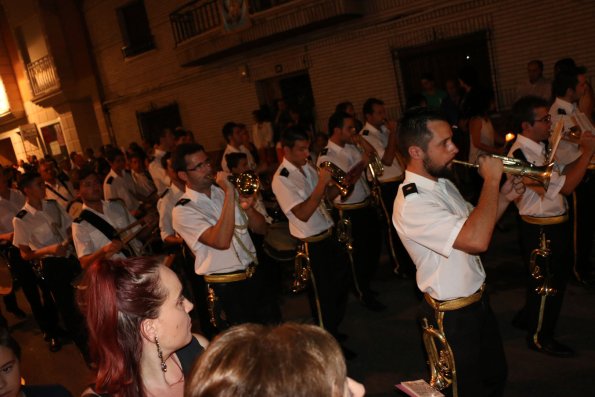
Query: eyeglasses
(545, 119)
(199, 165)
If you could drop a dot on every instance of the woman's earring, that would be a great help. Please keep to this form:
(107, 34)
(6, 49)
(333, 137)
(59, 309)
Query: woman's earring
(160, 354)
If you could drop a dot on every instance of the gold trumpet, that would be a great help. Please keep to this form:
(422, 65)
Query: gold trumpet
(339, 178)
(247, 183)
(518, 167)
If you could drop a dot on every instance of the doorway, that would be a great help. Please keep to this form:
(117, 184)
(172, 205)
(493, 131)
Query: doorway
(7, 154)
(54, 142)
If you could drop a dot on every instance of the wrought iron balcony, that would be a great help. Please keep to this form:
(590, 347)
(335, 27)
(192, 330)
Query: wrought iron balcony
(43, 76)
(194, 18)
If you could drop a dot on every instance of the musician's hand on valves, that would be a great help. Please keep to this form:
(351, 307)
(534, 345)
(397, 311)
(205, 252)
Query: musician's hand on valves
(222, 179)
(246, 202)
(324, 176)
(587, 142)
(490, 168)
(513, 188)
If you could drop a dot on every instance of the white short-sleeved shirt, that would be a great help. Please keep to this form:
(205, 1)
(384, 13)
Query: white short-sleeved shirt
(9, 208)
(120, 187)
(143, 183)
(194, 214)
(291, 188)
(158, 173)
(242, 149)
(165, 207)
(87, 239)
(61, 191)
(346, 158)
(428, 216)
(379, 139)
(567, 152)
(262, 135)
(39, 229)
(531, 203)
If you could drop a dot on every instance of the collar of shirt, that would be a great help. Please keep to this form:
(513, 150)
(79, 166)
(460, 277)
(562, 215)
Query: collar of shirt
(158, 153)
(113, 173)
(422, 181)
(308, 170)
(536, 149)
(31, 209)
(333, 146)
(176, 191)
(371, 128)
(568, 107)
(198, 196)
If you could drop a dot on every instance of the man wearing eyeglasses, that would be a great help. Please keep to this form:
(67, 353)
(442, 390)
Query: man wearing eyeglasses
(544, 216)
(214, 221)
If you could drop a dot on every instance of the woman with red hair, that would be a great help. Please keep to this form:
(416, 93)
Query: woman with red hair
(139, 328)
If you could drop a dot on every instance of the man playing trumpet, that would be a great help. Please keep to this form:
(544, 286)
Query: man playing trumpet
(214, 221)
(545, 213)
(355, 211)
(444, 236)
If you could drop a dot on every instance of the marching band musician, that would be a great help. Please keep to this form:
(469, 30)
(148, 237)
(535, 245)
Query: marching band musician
(214, 224)
(444, 235)
(382, 135)
(167, 142)
(95, 230)
(301, 191)
(11, 202)
(40, 232)
(56, 189)
(118, 183)
(545, 212)
(356, 209)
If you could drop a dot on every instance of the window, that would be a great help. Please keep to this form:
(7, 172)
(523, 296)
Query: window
(136, 32)
(156, 119)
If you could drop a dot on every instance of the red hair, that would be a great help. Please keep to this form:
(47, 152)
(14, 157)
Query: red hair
(120, 294)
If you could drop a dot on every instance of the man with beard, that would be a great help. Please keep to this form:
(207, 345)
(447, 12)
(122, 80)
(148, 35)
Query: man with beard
(444, 236)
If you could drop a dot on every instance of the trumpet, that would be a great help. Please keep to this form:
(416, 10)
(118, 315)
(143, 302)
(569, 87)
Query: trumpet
(247, 183)
(339, 178)
(513, 166)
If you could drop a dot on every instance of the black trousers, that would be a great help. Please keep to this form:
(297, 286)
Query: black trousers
(366, 230)
(474, 337)
(560, 268)
(330, 268)
(42, 305)
(59, 274)
(389, 193)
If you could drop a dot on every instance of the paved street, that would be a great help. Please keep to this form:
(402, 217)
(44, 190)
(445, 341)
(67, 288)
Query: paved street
(388, 343)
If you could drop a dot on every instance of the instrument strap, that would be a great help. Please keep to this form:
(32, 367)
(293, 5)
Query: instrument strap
(56, 192)
(100, 224)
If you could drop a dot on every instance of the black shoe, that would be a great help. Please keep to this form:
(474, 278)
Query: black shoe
(54, 344)
(348, 354)
(373, 304)
(18, 313)
(553, 348)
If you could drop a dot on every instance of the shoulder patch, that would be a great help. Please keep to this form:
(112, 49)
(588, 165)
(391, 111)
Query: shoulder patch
(324, 151)
(164, 193)
(284, 172)
(109, 180)
(21, 214)
(182, 202)
(365, 132)
(561, 111)
(77, 220)
(50, 200)
(409, 189)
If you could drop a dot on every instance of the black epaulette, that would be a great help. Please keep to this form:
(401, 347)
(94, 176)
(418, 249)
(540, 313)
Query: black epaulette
(164, 193)
(519, 155)
(561, 111)
(324, 151)
(408, 189)
(21, 214)
(49, 200)
(78, 220)
(183, 201)
(365, 132)
(109, 180)
(284, 172)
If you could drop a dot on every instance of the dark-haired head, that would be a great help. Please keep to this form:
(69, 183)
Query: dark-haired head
(564, 84)
(27, 179)
(523, 111)
(293, 134)
(228, 130)
(337, 120)
(111, 154)
(7, 341)
(178, 157)
(414, 131)
(368, 107)
(346, 107)
(233, 160)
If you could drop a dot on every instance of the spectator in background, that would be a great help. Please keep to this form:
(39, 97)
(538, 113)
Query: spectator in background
(451, 104)
(433, 95)
(282, 118)
(536, 84)
(416, 101)
(320, 141)
(165, 144)
(348, 108)
(232, 133)
(247, 142)
(253, 360)
(143, 183)
(262, 136)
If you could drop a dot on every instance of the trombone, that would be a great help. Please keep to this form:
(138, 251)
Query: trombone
(513, 166)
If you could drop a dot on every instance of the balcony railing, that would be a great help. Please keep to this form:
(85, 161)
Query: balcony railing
(43, 76)
(194, 18)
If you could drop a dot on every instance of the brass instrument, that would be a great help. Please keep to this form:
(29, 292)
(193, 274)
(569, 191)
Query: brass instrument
(345, 237)
(303, 275)
(339, 178)
(440, 359)
(518, 167)
(544, 252)
(247, 183)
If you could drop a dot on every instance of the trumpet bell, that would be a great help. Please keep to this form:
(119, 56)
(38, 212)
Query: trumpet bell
(339, 178)
(247, 183)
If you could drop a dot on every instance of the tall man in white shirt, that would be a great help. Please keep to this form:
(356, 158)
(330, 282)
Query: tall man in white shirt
(545, 213)
(56, 189)
(233, 136)
(381, 134)
(167, 141)
(118, 183)
(444, 235)
(355, 210)
(301, 191)
(214, 224)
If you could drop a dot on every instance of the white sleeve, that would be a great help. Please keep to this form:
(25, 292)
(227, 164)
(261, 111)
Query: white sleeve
(190, 224)
(285, 192)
